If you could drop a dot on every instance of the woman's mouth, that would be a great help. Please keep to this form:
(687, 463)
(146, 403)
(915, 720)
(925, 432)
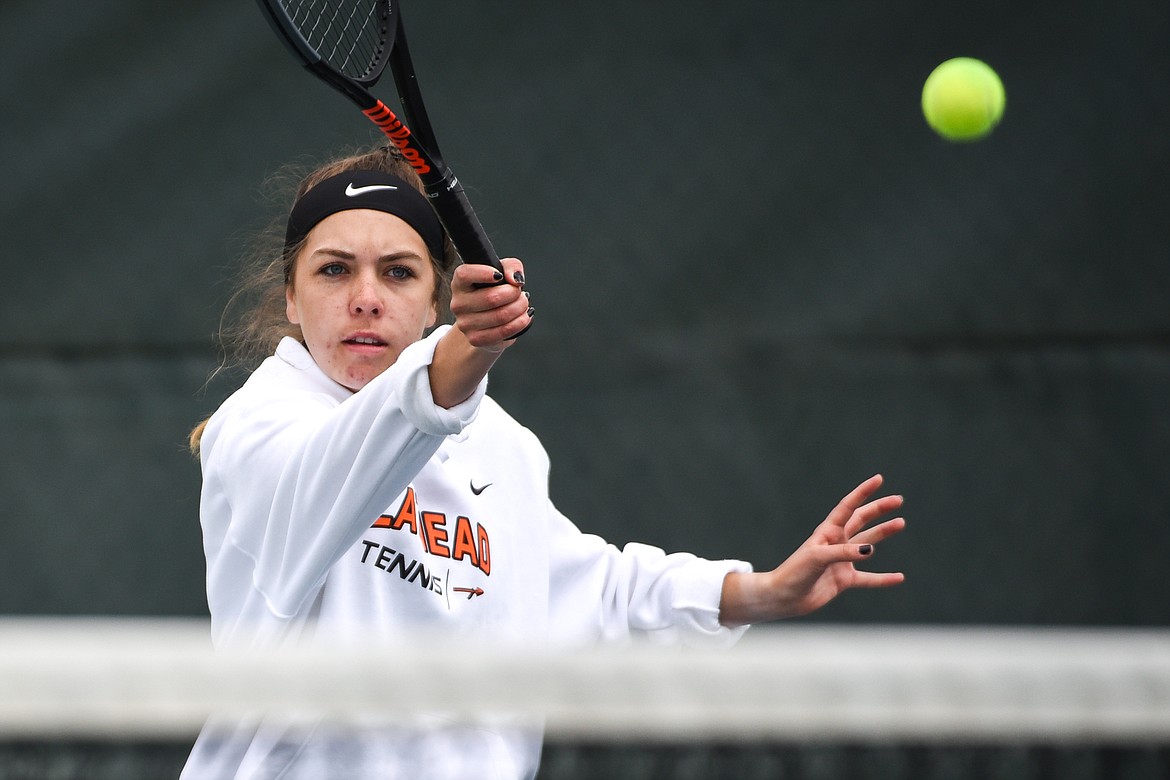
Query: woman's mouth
(364, 343)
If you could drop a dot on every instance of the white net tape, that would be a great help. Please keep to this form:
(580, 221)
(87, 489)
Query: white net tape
(105, 678)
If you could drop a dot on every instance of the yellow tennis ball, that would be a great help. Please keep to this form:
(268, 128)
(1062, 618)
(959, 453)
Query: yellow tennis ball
(963, 99)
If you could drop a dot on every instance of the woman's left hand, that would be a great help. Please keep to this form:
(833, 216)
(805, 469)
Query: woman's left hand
(822, 568)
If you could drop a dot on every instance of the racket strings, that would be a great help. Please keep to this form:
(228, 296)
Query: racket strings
(349, 35)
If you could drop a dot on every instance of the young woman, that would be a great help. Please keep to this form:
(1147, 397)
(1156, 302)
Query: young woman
(362, 486)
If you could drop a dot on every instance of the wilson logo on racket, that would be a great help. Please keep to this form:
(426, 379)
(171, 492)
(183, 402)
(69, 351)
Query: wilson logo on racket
(398, 133)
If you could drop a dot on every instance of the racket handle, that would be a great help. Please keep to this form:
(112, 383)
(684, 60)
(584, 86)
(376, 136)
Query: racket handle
(467, 234)
(458, 218)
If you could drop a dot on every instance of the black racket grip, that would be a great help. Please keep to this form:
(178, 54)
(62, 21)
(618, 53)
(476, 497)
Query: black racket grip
(465, 229)
(461, 224)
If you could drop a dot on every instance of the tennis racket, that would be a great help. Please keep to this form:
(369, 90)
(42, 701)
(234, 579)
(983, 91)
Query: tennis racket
(347, 44)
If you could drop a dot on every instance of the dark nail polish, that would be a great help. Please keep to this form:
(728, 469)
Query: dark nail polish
(531, 311)
(499, 277)
(865, 549)
(519, 277)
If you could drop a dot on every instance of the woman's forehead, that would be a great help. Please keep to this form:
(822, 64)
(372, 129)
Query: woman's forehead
(365, 230)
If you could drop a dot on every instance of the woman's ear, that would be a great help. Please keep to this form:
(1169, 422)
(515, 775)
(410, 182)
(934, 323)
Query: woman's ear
(290, 306)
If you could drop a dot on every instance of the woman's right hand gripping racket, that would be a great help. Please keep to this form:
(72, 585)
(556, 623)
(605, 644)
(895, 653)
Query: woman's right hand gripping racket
(348, 43)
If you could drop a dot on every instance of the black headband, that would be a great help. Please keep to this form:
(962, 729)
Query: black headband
(365, 190)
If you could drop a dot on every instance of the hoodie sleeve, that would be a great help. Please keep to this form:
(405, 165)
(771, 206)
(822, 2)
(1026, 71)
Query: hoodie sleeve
(292, 479)
(597, 591)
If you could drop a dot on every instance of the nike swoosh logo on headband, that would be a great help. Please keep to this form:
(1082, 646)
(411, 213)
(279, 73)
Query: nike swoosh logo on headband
(353, 191)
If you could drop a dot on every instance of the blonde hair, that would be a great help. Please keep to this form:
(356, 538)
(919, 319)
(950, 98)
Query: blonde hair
(254, 320)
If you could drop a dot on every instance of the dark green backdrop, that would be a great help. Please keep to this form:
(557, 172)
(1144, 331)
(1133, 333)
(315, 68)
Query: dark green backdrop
(760, 278)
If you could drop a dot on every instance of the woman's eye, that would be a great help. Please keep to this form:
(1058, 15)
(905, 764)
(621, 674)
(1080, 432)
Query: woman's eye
(399, 272)
(332, 269)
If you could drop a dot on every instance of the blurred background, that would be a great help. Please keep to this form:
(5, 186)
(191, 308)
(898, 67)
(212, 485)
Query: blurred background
(759, 278)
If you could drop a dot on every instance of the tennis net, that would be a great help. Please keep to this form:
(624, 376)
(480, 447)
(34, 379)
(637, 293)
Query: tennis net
(125, 698)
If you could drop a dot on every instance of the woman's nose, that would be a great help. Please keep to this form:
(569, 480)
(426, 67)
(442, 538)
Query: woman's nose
(365, 298)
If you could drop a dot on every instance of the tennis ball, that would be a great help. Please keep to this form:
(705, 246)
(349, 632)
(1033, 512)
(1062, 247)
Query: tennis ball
(963, 99)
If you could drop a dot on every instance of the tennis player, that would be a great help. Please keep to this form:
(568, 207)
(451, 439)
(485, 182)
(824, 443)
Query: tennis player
(361, 486)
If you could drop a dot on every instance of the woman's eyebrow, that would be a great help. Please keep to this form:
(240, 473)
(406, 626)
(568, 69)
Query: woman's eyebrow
(338, 253)
(402, 254)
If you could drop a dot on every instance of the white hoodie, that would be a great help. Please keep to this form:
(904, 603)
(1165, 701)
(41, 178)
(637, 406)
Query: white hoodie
(374, 515)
